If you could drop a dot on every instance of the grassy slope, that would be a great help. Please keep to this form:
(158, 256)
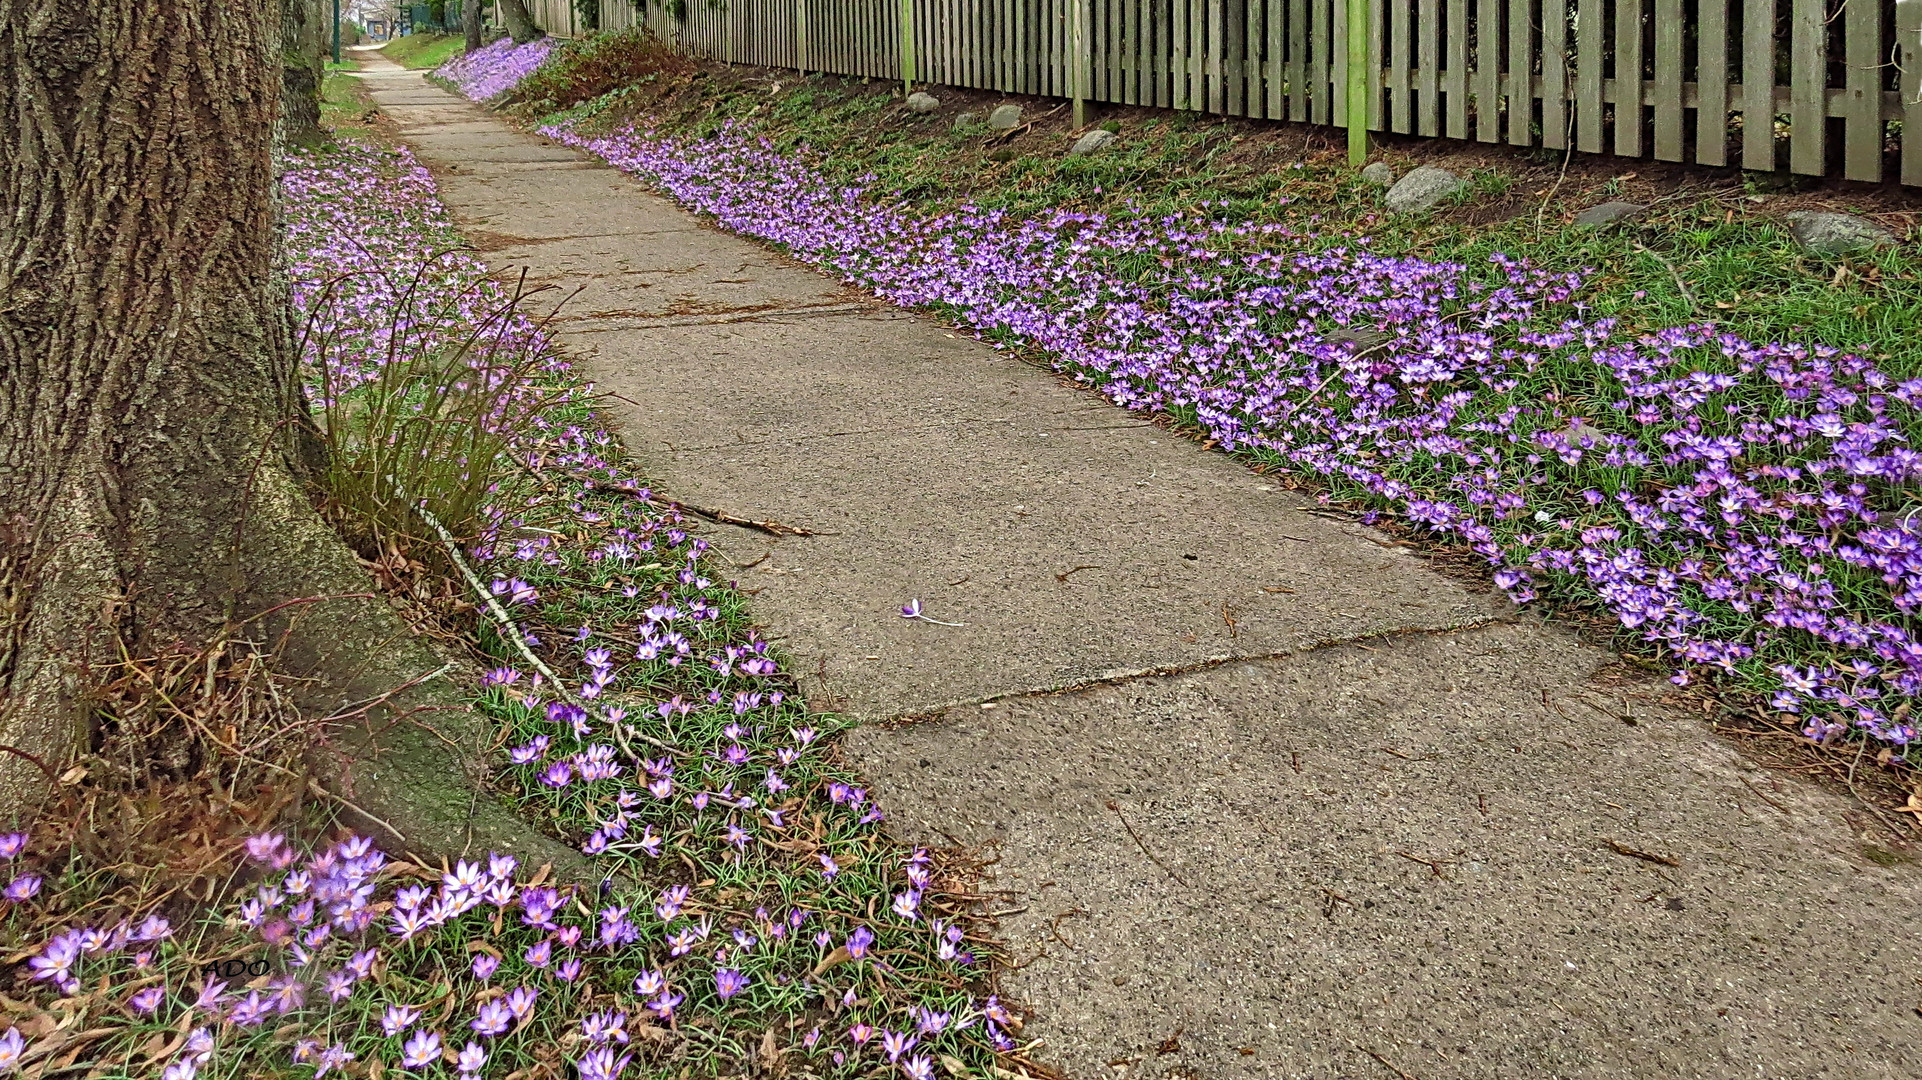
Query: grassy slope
(422, 50)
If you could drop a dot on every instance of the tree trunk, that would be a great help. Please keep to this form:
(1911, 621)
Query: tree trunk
(470, 23)
(153, 437)
(304, 41)
(520, 25)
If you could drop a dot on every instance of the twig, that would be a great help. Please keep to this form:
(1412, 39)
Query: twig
(721, 516)
(1620, 848)
(1385, 1063)
(1433, 866)
(493, 605)
(314, 786)
(512, 633)
(1143, 846)
(1764, 798)
(1694, 304)
(52, 777)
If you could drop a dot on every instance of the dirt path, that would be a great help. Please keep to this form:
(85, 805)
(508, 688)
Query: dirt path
(1270, 797)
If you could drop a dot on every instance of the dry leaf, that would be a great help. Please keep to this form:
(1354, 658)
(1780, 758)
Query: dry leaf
(770, 1056)
(838, 956)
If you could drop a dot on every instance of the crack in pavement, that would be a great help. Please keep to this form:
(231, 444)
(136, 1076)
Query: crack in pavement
(646, 322)
(899, 429)
(937, 713)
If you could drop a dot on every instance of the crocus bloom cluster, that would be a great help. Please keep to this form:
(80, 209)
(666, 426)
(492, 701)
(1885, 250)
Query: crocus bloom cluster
(496, 68)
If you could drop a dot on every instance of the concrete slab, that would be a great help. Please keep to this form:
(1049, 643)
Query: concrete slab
(1237, 856)
(1074, 542)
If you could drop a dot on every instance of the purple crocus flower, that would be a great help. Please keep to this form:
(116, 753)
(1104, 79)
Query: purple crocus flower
(421, 1050)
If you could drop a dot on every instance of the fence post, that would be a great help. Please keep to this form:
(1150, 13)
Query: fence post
(1354, 103)
(907, 47)
(1355, 100)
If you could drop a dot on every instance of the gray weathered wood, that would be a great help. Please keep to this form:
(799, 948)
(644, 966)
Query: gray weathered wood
(1628, 77)
(1427, 83)
(1398, 75)
(1862, 100)
(1711, 63)
(1455, 76)
(1323, 61)
(1758, 85)
(1668, 80)
(1555, 74)
(1519, 84)
(1808, 82)
(1488, 70)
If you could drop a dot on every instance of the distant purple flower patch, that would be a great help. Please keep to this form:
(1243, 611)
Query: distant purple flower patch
(496, 68)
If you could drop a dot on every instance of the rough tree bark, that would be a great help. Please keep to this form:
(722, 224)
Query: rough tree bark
(470, 24)
(153, 440)
(303, 51)
(520, 25)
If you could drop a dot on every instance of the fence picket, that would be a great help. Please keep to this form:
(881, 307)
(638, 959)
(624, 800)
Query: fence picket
(1628, 78)
(1400, 114)
(1555, 74)
(1808, 85)
(1427, 83)
(1668, 80)
(1275, 59)
(1711, 80)
(1758, 85)
(1488, 69)
(1321, 43)
(1862, 102)
(1518, 82)
(1908, 33)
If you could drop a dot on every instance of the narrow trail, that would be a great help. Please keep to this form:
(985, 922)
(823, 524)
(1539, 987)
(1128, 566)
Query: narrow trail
(1270, 797)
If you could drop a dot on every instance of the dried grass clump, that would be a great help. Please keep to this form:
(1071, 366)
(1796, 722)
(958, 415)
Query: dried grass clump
(586, 69)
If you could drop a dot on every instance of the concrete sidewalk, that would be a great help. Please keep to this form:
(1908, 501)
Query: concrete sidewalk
(1270, 796)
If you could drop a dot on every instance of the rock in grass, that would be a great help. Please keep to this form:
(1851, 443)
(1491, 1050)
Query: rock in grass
(1362, 338)
(966, 120)
(1097, 139)
(923, 103)
(1607, 214)
(1422, 189)
(1004, 118)
(1379, 173)
(1826, 233)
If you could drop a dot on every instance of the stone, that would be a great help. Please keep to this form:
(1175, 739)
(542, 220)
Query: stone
(1097, 139)
(966, 120)
(1421, 189)
(1609, 213)
(919, 102)
(1004, 118)
(1828, 233)
(1362, 339)
(1379, 173)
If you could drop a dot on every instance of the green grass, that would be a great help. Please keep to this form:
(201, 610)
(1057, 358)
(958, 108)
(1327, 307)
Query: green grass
(423, 50)
(344, 106)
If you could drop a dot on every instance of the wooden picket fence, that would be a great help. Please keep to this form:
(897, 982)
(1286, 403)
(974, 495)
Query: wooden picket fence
(1815, 86)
